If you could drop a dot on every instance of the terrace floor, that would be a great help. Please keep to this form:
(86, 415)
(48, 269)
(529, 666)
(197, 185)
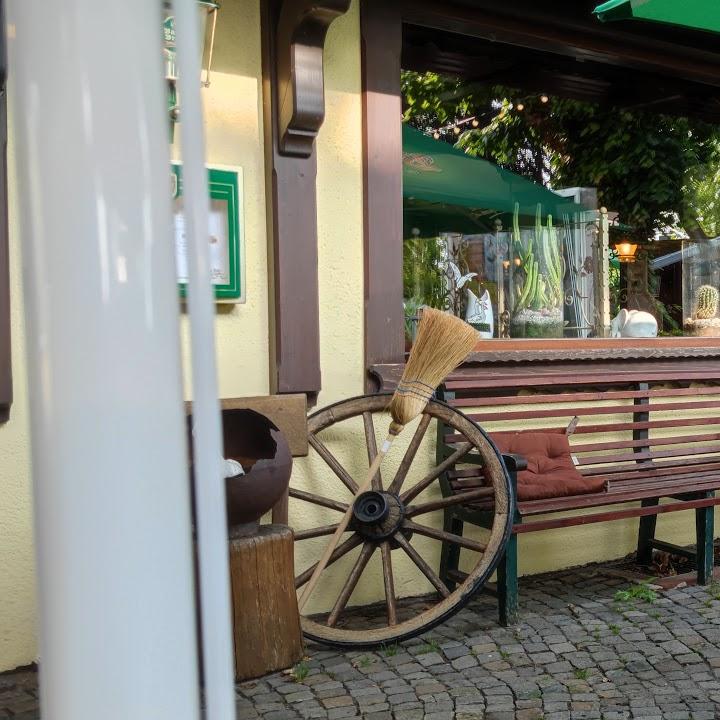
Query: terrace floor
(581, 651)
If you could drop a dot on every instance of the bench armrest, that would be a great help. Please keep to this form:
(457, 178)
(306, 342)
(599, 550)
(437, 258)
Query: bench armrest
(514, 463)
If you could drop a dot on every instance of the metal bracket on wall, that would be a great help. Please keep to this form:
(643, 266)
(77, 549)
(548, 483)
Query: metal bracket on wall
(302, 27)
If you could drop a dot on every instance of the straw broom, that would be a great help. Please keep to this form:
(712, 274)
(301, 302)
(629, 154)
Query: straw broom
(442, 343)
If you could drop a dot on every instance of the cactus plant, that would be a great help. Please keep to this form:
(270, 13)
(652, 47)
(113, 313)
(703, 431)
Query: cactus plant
(706, 302)
(541, 286)
(537, 311)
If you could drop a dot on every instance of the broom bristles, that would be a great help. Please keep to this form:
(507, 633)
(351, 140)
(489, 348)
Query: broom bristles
(443, 341)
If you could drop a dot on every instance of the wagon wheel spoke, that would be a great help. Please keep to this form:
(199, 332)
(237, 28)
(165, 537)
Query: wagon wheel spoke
(446, 464)
(342, 549)
(333, 463)
(441, 503)
(424, 568)
(350, 583)
(410, 453)
(371, 442)
(389, 583)
(445, 536)
(315, 532)
(317, 500)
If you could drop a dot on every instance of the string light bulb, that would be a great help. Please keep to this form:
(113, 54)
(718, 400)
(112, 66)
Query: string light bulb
(520, 107)
(436, 135)
(544, 98)
(475, 122)
(456, 130)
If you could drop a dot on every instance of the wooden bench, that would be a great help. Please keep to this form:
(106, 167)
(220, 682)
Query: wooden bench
(650, 430)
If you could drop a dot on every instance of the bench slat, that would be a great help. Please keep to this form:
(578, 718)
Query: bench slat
(580, 502)
(504, 400)
(679, 452)
(614, 515)
(589, 411)
(642, 469)
(647, 425)
(644, 442)
(560, 378)
(603, 428)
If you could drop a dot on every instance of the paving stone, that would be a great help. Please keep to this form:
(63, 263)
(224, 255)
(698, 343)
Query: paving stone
(431, 658)
(342, 701)
(573, 656)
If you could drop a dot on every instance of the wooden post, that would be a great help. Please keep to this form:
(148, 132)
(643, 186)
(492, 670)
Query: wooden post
(267, 623)
(705, 533)
(602, 276)
(381, 32)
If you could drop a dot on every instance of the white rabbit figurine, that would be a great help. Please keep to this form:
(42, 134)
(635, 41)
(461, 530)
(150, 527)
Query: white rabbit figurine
(633, 323)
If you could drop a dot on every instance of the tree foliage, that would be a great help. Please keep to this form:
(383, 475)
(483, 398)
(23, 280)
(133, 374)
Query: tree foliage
(653, 169)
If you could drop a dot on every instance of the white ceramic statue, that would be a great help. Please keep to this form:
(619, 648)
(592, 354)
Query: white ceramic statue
(633, 323)
(479, 311)
(459, 280)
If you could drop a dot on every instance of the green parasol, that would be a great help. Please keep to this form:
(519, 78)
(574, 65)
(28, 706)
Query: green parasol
(435, 172)
(431, 219)
(697, 14)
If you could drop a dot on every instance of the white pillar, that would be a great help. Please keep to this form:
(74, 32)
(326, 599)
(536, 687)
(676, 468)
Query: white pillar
(208, 465)
(112, 516)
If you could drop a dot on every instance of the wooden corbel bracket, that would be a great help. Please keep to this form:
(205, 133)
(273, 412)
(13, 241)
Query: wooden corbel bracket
(301, 31)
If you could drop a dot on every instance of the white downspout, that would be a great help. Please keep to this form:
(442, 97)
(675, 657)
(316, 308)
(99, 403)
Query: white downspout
(112, 502)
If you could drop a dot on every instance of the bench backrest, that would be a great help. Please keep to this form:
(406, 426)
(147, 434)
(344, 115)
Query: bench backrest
(630, 422)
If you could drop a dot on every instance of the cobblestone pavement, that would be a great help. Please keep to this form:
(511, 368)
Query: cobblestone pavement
(581, 651)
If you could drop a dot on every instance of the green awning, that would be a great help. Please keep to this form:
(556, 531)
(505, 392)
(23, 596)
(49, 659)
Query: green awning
(435, 172)
(431, 219)
(698, 14)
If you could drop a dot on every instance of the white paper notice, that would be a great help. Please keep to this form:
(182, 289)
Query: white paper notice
(218, 239)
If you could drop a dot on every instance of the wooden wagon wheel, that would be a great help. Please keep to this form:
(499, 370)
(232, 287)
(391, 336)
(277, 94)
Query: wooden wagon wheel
(401, 516)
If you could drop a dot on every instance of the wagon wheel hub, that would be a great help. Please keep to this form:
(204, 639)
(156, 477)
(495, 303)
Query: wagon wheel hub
(377, 515)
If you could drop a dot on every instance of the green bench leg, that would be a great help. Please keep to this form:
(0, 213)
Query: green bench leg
(646, 534)
(450, 553)
(705, 530)
(507, 584)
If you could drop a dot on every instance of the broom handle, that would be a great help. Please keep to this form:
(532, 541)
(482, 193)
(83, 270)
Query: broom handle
(335, 539)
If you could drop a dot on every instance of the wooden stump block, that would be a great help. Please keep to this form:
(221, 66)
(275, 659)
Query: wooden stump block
(266, 619)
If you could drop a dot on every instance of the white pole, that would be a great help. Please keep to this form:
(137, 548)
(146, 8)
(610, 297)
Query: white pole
(212, 532)
(111, 494)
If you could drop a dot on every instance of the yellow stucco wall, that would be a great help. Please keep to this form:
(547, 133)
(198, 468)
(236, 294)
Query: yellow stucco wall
(234, 137)
(17, 581)
(233, 112)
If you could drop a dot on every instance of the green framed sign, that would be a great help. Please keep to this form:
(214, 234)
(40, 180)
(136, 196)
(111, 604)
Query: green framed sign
(224, 232)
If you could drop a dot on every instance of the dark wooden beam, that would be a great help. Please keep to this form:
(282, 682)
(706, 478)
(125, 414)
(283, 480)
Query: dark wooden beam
(301, 30)
(381, 36)
(554, 30)
(293, 34)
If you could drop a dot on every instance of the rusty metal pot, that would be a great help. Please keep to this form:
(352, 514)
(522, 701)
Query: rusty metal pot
(256, 443)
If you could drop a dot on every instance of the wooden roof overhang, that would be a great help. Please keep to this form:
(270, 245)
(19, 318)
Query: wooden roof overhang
(559, 47)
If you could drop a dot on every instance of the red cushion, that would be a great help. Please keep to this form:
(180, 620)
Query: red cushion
(550, 472)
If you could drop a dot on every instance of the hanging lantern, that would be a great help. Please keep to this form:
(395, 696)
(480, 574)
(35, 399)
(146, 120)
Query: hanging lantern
(625, 251)
(207, 15)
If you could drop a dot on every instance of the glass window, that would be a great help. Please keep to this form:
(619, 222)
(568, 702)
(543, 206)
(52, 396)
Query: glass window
(538, 216)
